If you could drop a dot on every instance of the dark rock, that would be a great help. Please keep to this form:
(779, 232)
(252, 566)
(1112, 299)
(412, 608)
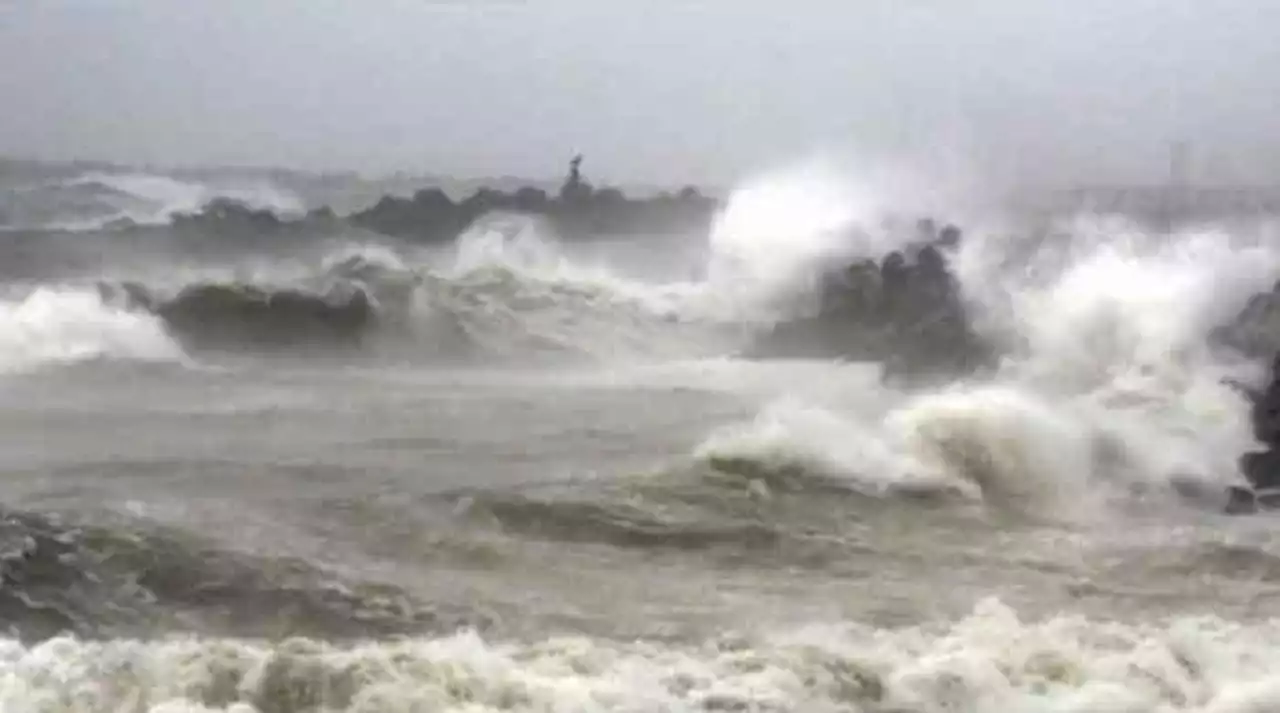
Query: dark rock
(1261, 468)
(1265, 411)
(1255, 332)
(949, 237)
(530, 200)
(1203, 493)
(1240, 501)
(904, 312)
(578, 211)
(228, 215)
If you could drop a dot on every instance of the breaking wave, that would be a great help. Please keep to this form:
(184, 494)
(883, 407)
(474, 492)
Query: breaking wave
(59, 325)
(1106, 382)
(1107, 392)
(1104, 378)
(1109, 382)
(97, 200)
(505, 290)
(988, 661)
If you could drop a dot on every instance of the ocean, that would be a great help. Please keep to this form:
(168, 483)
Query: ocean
(552, 478)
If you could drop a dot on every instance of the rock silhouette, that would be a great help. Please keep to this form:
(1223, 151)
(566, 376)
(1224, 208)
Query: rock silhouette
(579, 211)
(1255, 333)
(1262, 467)
(904, 311)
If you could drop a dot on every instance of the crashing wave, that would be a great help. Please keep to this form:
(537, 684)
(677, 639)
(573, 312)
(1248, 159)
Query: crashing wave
(1108, 324)
(496, 296)
(1099, 340)
(222, 315)
(112, 200)
(904, 310)
(991, 658)
(68, 325)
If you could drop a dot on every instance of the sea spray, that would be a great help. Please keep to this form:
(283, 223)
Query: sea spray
(67, 325)
(1107, 377)
(989, 661)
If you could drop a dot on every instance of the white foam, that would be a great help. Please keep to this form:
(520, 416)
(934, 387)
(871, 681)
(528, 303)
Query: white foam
(51, 326)
(764, 252)
(1013, 447)
(988, 662)
(826, 442)
(764, 249)
(150, 199)
(1109, 379)
(514, 284)
(776, 231)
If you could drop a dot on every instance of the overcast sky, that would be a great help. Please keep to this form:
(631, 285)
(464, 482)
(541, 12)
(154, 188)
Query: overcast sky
(662, 90)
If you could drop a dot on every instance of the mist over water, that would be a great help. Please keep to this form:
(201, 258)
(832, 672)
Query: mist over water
(94, 200)
(544, 475)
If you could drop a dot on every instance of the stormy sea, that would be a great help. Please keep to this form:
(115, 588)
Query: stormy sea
(256, 462)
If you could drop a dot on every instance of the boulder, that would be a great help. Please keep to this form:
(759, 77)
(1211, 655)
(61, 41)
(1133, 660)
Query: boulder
(1255, 332)
(904, 311)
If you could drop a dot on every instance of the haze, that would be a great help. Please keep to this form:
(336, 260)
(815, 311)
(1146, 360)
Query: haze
(1091, 90)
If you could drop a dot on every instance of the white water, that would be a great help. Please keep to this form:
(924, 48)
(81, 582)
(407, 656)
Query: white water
(1108, 381)
(988, 662)
(1109, 384)
(51, 326)
(152, 199)
(777, 232)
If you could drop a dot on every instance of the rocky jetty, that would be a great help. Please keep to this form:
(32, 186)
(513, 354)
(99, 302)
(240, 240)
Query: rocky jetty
(578, 211)
(227, 222)
(903, 311)
(229, 213)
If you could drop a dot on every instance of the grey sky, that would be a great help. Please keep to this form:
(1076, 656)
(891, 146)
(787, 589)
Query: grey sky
(663, 91)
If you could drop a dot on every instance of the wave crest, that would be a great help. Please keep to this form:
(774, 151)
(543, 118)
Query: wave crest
(71, 325)
(102, 200)
(990, 660)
